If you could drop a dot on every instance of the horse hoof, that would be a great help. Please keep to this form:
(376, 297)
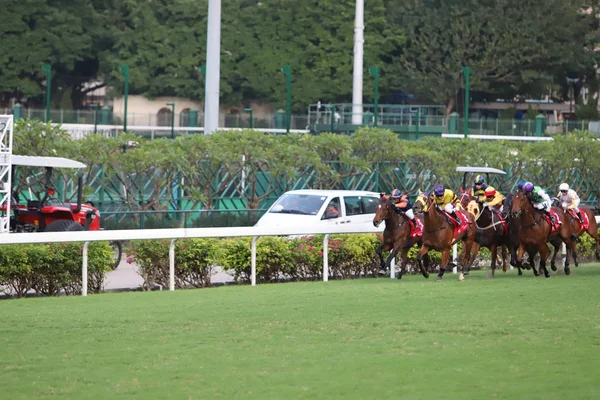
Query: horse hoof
(438, 278)
(553, 267)
(399, 276)
(461, 277)
(520, 272)
(576, 264)
(567, 271)
(426, 275)
(535, 273)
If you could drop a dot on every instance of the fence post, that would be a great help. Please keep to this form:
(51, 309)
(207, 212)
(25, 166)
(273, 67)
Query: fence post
(253, 260)
(452, 123)
(539, 125)
(17, 111)
(84, 270)
(326, 258)
(172, 265)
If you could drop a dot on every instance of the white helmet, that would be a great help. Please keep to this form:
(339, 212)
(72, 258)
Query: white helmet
(563, 186)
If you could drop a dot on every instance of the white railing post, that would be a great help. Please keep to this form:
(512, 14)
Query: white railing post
(172, 265)
(393, 268)
(454, 258)
(564, 253)
(326, 258)
(253, 271)
(84, 270)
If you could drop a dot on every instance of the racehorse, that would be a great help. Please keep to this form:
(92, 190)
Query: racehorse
(534, 231)
(572, 220)
(439, 234)
(491, 231)
(396, 236)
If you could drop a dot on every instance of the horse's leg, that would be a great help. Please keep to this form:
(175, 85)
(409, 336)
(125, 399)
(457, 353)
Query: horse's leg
(379, 252)
(519, 254)
(475, 251)
(494, 251)
(388, 261)
(444, 263)
(574, 252)
(404, 257)
(556, 244)
(532, 251)
(423, 252)
(544, 253)
(425, 266)
(504, 259)
(466, 267)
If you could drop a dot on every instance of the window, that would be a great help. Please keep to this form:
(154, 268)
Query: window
(333, 209)
(304, 204)
(357, 205)
(163, 118)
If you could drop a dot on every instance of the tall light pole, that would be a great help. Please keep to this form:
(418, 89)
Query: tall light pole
(375, 72)
(213, 65)
(357, 81)
(125, 70)
(48, 70)
(172, 119)
(249, 111)
(467, 72)
(287, 71)
(95, 108)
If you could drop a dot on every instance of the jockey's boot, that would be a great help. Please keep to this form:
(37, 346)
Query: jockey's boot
(580, 217)
(458, 221)
(552, 221)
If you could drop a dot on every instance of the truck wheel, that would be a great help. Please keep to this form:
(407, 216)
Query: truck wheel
(63, 225)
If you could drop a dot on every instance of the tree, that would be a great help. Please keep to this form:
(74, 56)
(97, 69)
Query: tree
(511, 47)
(70, 36)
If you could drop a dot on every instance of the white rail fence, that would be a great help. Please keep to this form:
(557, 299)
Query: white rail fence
(174, 234)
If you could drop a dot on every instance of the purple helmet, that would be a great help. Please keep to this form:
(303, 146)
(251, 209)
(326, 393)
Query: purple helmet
(528, 187)
(438, 190)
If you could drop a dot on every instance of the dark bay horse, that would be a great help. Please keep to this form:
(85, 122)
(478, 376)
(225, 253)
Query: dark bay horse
(491, 231)
(439, 234)
(396, 236)
(572, 221)
(534, 232)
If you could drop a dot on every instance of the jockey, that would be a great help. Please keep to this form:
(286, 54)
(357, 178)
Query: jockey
(445, 199)
(402, 204)
(493, 199)
(569, 199)
(539, 198)
(520, 185)
(479, 186)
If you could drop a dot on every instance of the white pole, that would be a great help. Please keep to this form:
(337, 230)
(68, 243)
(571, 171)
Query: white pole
(213, 65)
(84, 269)
(393, 267)
(172, 265)
(454, 257)
(357, 83)
(253, 261)
(326, 258)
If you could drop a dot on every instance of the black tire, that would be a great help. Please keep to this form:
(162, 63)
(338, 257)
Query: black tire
(63, 225)
(118, 252)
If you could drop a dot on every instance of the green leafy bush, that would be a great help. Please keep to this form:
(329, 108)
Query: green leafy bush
(51, 268)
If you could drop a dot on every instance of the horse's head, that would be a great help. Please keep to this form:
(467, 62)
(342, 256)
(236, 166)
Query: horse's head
(383, 210)
(520, 203)
(429, 202)
(465, 198)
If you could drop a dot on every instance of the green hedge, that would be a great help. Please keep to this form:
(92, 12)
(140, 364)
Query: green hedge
(49, 269)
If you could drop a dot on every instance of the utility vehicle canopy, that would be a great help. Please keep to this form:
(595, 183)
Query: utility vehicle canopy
(48, 162)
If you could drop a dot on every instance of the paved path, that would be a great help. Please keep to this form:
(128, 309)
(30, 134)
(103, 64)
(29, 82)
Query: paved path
(127, 277)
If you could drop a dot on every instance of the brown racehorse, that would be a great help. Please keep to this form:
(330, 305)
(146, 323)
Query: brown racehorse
(439, 234)
(534, 231)
(573, 222)
(396, 236)
(490, 233)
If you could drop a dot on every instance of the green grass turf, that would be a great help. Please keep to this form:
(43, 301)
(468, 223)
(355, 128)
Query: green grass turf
(508, 338)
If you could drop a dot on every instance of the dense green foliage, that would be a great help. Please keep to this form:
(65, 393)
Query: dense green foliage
(256, 167)
(512, 47)
(507, 338)
(51, 268)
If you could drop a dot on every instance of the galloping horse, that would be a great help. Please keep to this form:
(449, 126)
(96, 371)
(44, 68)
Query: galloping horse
(439, 234)
(420, 202)
(491, 231)
(534, 231)
(590, 226)
(396, 236)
